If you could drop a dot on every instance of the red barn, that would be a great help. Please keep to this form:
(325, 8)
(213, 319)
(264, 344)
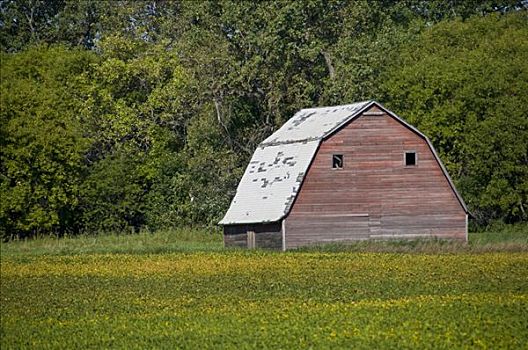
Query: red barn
(344, 173)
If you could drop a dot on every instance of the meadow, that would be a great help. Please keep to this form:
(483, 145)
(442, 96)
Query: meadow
(182, 289)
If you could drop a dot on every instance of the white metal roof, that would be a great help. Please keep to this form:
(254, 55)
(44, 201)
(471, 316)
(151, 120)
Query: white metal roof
(314, 123)
(270, 183)
(278, 166)
(276, 170)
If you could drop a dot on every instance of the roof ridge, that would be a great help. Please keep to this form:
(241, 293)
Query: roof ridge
(337, 106)
(314, 123)
(277, 143)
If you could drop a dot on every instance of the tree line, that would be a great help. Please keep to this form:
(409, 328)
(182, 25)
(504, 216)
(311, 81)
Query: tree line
(131, 115)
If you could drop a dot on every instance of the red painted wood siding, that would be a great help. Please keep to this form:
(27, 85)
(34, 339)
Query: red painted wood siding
(375, 195)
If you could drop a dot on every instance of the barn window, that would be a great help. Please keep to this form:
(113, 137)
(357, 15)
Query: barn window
(337, 161)
(410, 158)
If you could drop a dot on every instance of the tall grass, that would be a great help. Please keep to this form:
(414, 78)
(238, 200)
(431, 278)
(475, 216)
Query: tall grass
(176, 240)
(501, 234)
(508, 238)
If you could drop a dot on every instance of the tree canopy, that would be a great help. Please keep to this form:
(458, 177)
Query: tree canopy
(464, 83)
(142, 115)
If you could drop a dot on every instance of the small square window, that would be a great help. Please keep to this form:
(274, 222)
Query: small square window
(410, 158)
(337, 161)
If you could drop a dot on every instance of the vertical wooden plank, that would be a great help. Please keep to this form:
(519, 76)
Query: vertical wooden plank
(251, 240)
(467, 238)
(283, 230)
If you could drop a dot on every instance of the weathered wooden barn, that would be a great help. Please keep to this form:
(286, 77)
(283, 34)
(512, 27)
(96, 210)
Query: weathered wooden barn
(344, 173)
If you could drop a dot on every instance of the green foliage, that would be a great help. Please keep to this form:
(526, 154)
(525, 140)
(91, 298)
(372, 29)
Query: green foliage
(464, 85)
(133, 115)
(239, 300)
(151, 123)
(196, 185)
(364, 46)
(68, 22)
(26, 22)
(42, 143)
(113, 195)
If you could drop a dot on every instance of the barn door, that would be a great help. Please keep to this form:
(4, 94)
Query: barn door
(251, 239)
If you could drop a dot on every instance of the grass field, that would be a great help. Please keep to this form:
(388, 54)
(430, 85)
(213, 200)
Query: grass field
(183, 290)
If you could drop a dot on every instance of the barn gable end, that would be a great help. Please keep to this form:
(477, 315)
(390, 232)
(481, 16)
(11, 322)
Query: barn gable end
(374, 195)
(290, 194)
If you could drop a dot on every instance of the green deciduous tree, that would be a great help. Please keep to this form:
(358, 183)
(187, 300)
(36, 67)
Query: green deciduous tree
(68, 22)
(196, 185)
(42, 143)
(153, 125)
(464, 84)
(133, 115)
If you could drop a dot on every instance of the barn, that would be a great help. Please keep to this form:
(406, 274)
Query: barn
(343, 173)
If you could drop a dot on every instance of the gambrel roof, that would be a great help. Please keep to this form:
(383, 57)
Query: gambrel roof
(276, 171)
